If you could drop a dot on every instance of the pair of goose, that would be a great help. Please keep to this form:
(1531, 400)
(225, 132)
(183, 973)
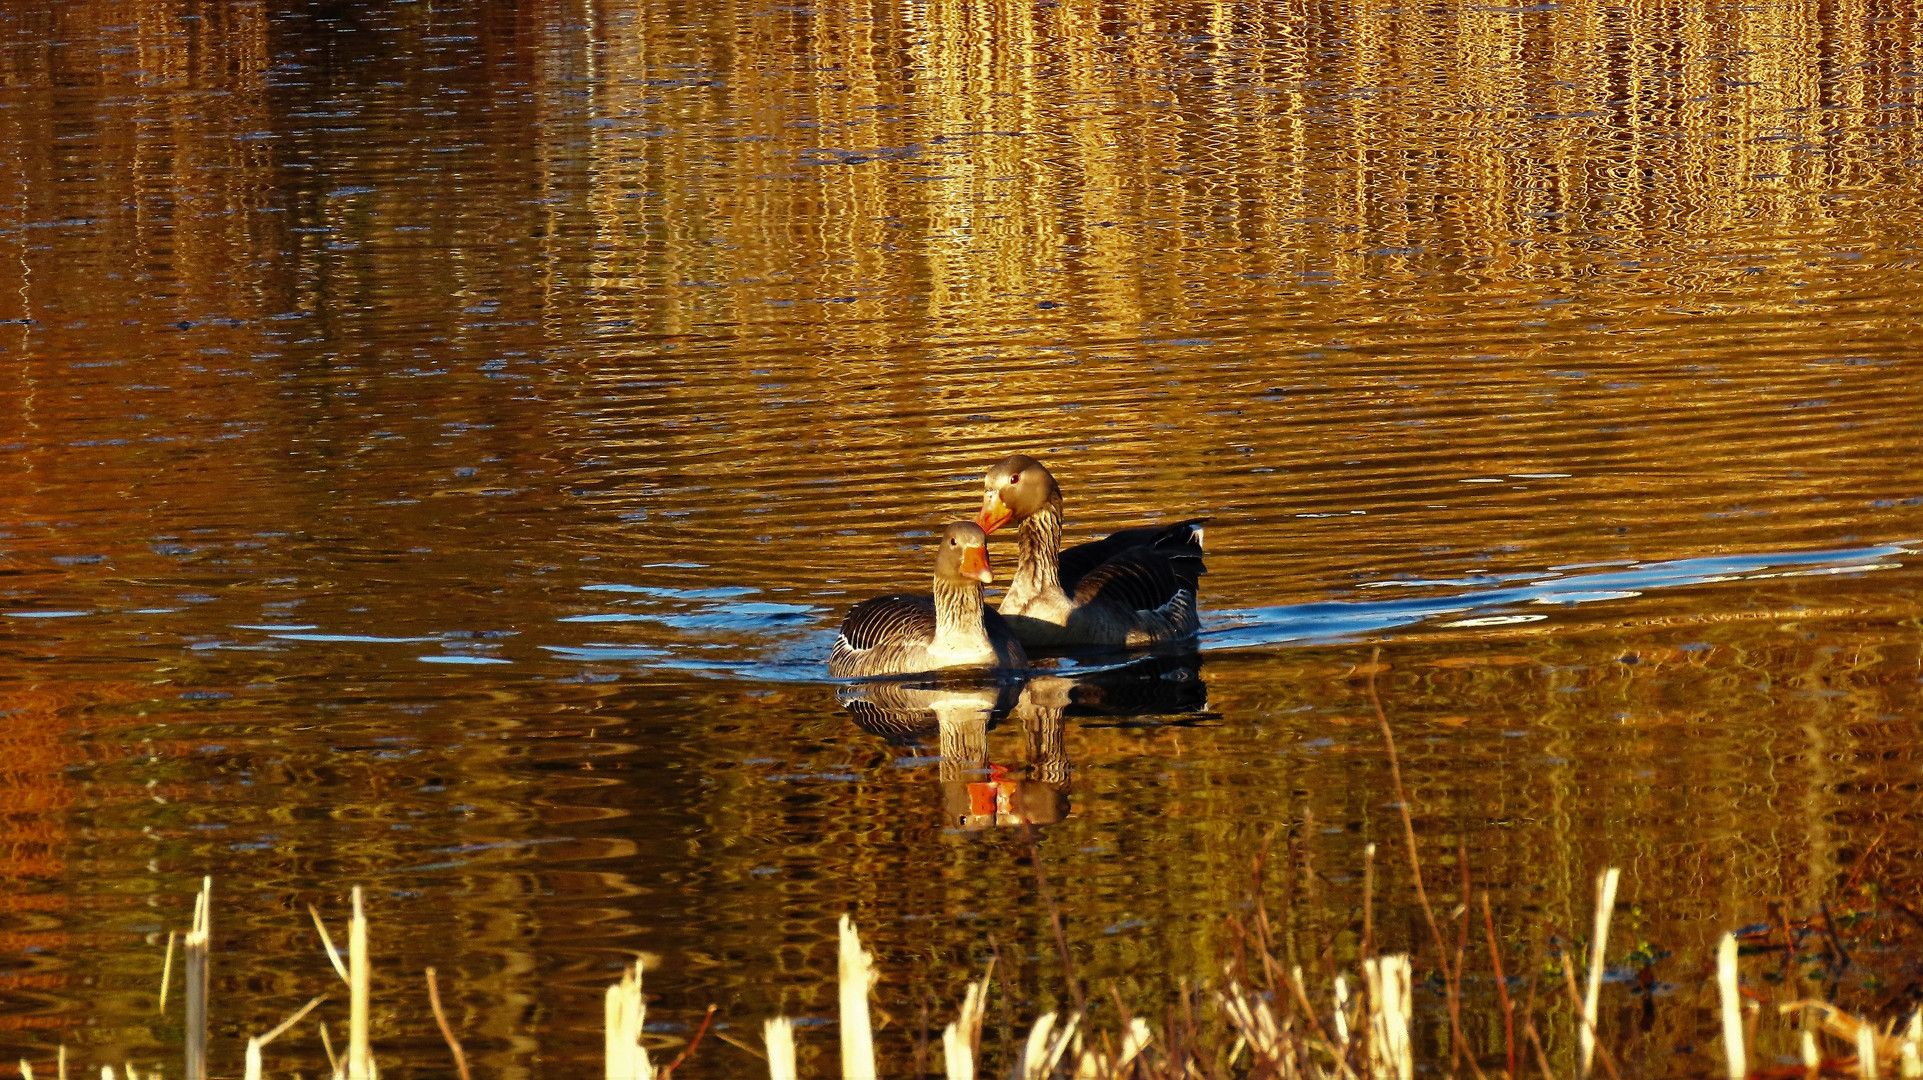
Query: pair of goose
(1133, 587)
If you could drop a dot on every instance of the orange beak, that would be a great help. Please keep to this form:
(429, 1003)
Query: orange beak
(975, 565)
(995, 513)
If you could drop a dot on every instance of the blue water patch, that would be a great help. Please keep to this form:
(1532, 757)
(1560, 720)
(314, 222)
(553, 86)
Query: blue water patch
(753, 615)
(593, 651)
(723, 593)
(365, 639)
(1336, 620)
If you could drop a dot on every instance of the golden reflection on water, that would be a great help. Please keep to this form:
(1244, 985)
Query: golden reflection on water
(348, 348)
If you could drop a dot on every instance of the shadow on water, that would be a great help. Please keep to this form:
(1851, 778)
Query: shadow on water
(954, 717)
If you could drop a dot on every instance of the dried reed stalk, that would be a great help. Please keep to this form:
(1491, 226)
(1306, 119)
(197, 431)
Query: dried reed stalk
(360, 1053)
(1045, 1046)
(1598, 941)
(195, 946)
(779, 1035)
(1391, 1007)
(355, 972)
(856, 970)
(626, 1014)
(167, 969)
(1732, 1008)
(257, 1042)
(961, 1040)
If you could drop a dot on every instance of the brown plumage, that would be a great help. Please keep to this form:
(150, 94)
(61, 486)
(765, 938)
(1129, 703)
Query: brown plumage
(1133, 587)
(903, 635)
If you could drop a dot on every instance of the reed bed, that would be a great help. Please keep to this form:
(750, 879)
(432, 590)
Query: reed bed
(1263, 1020)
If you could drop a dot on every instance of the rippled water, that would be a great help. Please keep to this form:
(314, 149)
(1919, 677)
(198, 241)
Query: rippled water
(440, 439)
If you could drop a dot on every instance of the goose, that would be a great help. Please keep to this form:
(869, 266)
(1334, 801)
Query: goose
(904, 635)
(1133, 587)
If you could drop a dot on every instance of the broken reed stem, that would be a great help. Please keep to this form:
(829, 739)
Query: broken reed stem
(167, 970)
(258, 1042)
(195, 947)
(1390, 1010)
(1866, 1052)
(327, 942)
(1732, 1005)
(856, 971)
(447, 1029)
(1599, 939)
(1451, 978)
(360, 1054)
(626, 1014)
(779, 1036)
(961, 1040)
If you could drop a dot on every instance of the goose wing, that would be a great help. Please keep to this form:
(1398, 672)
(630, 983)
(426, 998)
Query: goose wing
(1181, 541)
(1139, 579)
(887, 620)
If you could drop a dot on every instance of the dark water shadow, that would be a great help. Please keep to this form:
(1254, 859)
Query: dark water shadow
(954, 717)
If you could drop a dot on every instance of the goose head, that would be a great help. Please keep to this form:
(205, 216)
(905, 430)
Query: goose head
(964, 555)
(1014, 490)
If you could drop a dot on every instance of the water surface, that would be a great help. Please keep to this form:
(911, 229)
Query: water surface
(440, 439)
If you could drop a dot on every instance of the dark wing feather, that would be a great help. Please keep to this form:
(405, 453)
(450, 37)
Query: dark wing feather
(1180, 542)
(1138, 579)
(888, 620)
(1179, 539)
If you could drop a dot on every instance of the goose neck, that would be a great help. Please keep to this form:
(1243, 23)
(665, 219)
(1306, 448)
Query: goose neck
(958, 614)
(1038, 570)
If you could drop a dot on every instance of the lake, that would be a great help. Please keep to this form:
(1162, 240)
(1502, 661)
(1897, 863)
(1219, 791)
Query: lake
(439, 441)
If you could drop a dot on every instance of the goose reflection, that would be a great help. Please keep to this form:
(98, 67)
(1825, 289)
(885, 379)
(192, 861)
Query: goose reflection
(956, 717)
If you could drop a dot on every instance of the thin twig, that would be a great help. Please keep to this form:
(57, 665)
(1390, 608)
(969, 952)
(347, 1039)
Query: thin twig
(1368, 900)
(1054, 917)
(1575, 998)
(447, 1029)
(689, 1049)
(1502, 987)
(1415, 865)
(741, 1046)
(1542, 1056)
(1321, 1035)
(1829, 929)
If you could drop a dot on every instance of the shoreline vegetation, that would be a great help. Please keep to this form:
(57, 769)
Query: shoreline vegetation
(1267, 1018)
(1264, 1021)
